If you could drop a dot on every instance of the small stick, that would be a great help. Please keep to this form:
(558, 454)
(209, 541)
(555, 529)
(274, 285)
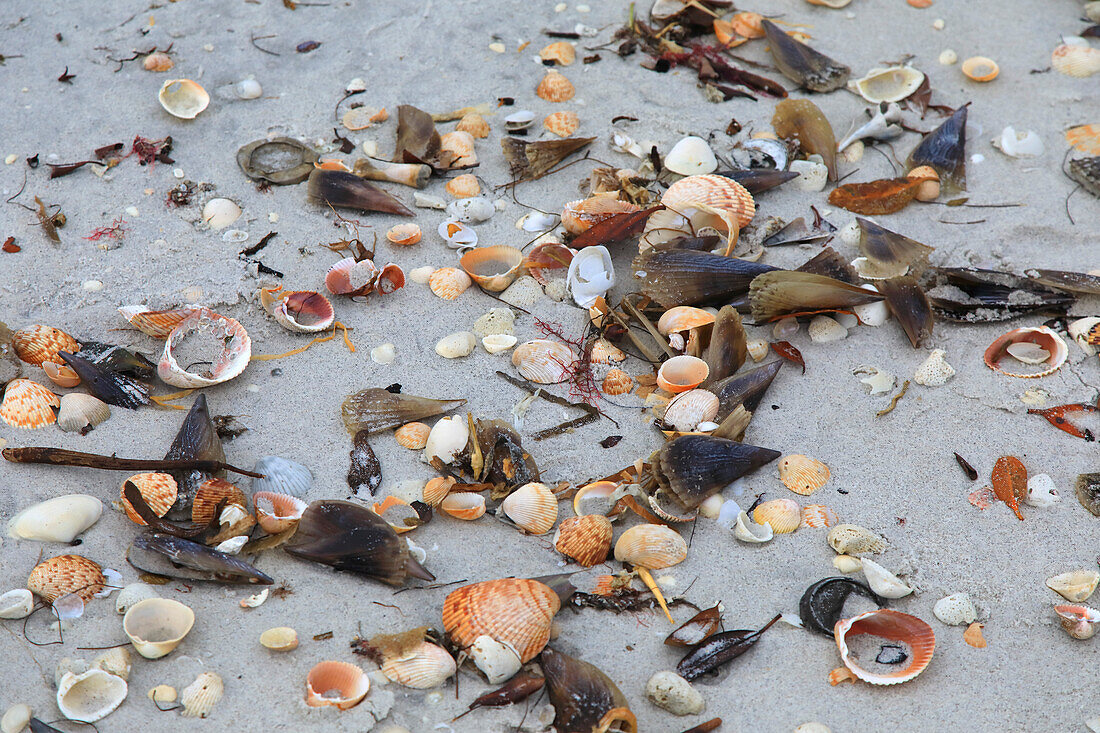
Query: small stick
(633, 309)
(62, 457)
(649, 355)
(894, 402)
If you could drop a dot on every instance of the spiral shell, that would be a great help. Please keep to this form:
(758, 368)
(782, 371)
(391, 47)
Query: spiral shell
(554, 87)
(513, 611)
(449, 282)
(464, 186)
(559, 52)
(533, 507)
(413, 435)
(818, 515)
(339, 684)
(688, 409)
(586, 539)
(563, 123)
(36, 344)
(651, 546)
(784, 515)
(158, 489)
(463, 505)
(426, 666)
(543, 361)
(851, 539)
(617, 382)
(580, 216)
(719, 192)
(802, 475)
(28, 405)
(886, 623)
(66, 574)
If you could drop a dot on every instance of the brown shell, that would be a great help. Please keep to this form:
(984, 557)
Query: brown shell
(159, 491)
(554, 87)
(585, 539)
(38, 343)
(209, 494)
(66, 574)
(513, 611)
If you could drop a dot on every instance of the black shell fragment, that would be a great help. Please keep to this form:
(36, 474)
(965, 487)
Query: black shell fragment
(822, 604)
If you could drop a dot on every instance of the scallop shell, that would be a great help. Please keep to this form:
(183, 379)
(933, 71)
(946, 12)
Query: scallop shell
(463, 505)
(851, 539)
(1041, 336)
(460, 144)
(66, 574)
(36, 344)
(757, 348)
(464, 186)
(683, 318)
(233, 344)
(279, 639)
(413, 435)
(586, 539)
(474, 124)
(784, 515)
(1075, 586)
(282, 476)
(1085, 138)
(449, 282)
(559, 52)
(595, 498)
(883, 582)
(59, 519)
(404, 235)
(554, 87)
(581, 215)
(515, 612)
(90, 696)
(61, 374)
(448, 437)
(303, 311)
(277, 513)
(543, 361)
(818, 515)
(437, 489)
(980, 68)
(28, 405)
(563, 123)
(183, 98)
(688, 409)
(157, 324)
(339, 684)
(156, 626)
(1075, 60)
(718, 192)
(892, 625)
(157, 62)
(888, 84)
(158, 489)
(802, 475)
(209, 494)
(682, 373)
(199, 698)
(360, 118)
(426, 666)
(605, 352)
(348, 277)
(651, 546)
(617, 382)
(533, 507)
(493, 268)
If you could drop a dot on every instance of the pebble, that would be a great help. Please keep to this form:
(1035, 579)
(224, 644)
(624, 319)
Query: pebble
(948, 57)
(496, 47)
(11, 159)
(92, 286)
(132, 211)
(16, 718)
(673, 693)
(383, 354)
(456, 345)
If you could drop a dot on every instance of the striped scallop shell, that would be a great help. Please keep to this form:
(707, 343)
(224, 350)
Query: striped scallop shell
(413, 435)
(543, 361)
(720, 192)
(533, 507)
(427, 666)
(464, 186)
(554, 87)
(460, 144)
(563, 123)
(62, 375)
(199, 697)
(651, 546)
(28, 405)
(340, 684)
(617, 382)
(437, 489)
(1075, 60)
(688, 409)
(802, 474)
(683, 318)
(80, 411)
(277, 513)
(1085, 138)
(851, 539)
(818, 515)
(605, 352)
(474, 124)
(157, 324)
(158, 489)
(586, 539)
(784, 515)
(348, 277)
(896, 626)
(449, 282)
(38, 343)
(209, 494)
(463, 505)
(513, 611)
(580, 216)
(283, 476)
(66, 574)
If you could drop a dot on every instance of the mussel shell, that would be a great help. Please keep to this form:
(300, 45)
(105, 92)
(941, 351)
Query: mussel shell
(719, 649)
(687, 277)
(694, 467)
(117, 359)
(176, 557)
(801, 64)
(1075, 282)
(1087, 488)
(829, 263)
(945, 150)
(801, 121)
(581, 694)
(111, 387)
(696, 629)
(282, 161)
(992, 296)
(885, 247)
(757, 181)
(775, 295)
(822, 604)
(910, 306)
(375, 409)
(728, 347)
(197, 439)
(745, 389)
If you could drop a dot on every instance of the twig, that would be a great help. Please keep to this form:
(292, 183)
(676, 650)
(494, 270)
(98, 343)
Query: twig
(894, 402)
(253, 38)
(62, 457)
(633, 309)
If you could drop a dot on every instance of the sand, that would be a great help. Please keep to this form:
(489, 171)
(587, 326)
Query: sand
(897, 473)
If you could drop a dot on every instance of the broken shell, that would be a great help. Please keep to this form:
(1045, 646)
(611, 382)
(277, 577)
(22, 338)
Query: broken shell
(889, 84)
(162, 693)
(28, 405)
(533, 507)
(883, 582)
(955, 610)
(474, 124)
(426, 666)
(591, 274)
(37, 344)
(199, 697)
(851, 539)
(339, 684)
(802, 474)
(277, 513)
(456, 345)
(847, 563)
(460, 145)
(651, 546)
(157, 62)
(493, 268)
(114, 661)
(617, 382)
(980, 68)
(749, 531)
(158, 489)
(447, 438)
(499, 342)
(303, 311)
(1041, 491)
(437, 489)
(934, 371)
(605, 352)
(817, 516)
(929, 189)
(892, 625)
(1026, 144)
(717, 192)
(226, 347)
(348, 277)
(559, 52)
(683, 318)
(681, 373)
(212, 492)
(1079, 621)
(1075, 60)
(543, 361)
(690, 156)
(183, 98)
(457, 235)
(449, 282)
(1075, 586)
(56, 520)
(554, 87)
(1042, 337)
(156, 626)
(812, 175)
(463, 505)
(464, 186)
(563, 123)
(513, 612)
(360, 118)
(413, 435)
(133, 594)
(65, 574)
(498, 661)
(404, 234)
(279, 639)
(688, 409)
(80, 412)
(784, 515)
(586, 539)
(90, 696)
(823, 330)
(673, 693)
(17, 603)
(580, 216)
(61, 375)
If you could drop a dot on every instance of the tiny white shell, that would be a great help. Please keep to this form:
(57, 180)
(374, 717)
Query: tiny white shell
(1026, 144)
(497, 660)
(1041, 491)
(691, 156)
(883, 582)
(955, 610)
(219, 213)
(472, 210)
(456, 345)
(16, 603)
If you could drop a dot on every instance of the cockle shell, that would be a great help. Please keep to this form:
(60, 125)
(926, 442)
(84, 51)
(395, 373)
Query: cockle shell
(691, 156)
(980, 68)
(651, 546)
(514, 612)
(784, 515)
(1075, 586)
(493, 268)
(617, 382)
(459, 144)
(682, 373)
(463, 505)
(688, 409)
(199, 698)
(437, 489)
(66, 574)
(446, 439)
(929, 189)
(59, 519)
(605, 352)
(580, 216)
(1075, 60)
(563, 123)
(413, 435)
(228, 347)
(303, 311)
(282, 476)
(1041, 337)
(554, 87)
(892, 625)
(824, 330)
(279, 639)
(61, 375)
(38, 343)
(449, 282)
(586, 539)
(183, 98)
(802, 474)
(883, 582)
(533, 507)
(851, 539)
(90, 696)
(277, 513)
(426, 666)
(817, 516)
(156, 626)
(17, 603)
(683, 318)
(1080, 622)
(81, 411)
(157, 324)
(559, 52)
(158, 489)
(464, 186)
(887, 84)
(718, 192)
(474, 124)
(543, 361)
(28, 405)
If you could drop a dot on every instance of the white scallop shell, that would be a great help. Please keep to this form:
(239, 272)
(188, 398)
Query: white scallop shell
(199, 697)
(688, 409)
(79, 410)
(282, 476)
(59, 519)
(543, 361)
(447, 438)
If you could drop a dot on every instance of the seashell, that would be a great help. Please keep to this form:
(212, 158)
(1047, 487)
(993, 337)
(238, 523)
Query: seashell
(157, 324)
(617, 382)
(543, 361)
(887, 84)
(81, 412)
(718, 192)
(56, 520)
(518, 121)
(749, 531)
(65, 574)
(955, 610)
(693, 467)
(1051, 351)
(591, 274)
(1075, 60)
(533, 507)
(688, 409)
(279, 639)
(651, 546)
(219, 213)
(817, 516)
(851, 539)
(1075, 586)
(183, 98)
(671, 692)
(277, 513)
(348, 277)
(514, 612)
(583, 697)
(784, 515)
(16, 718)
(449, 282)
(374, 409)
(683, 318)
(457, 235)
(360, 118)
(1041, 491)
(1026, 144)
(499, 342)
(226, 347)
(981, 69)
(559, 52)
(823, 330)
(456, 345)
(605, 352)
(133, 594)
(803, 122)
(595, 498)
(413, 435)
(682, 373)
(447, 438)
(563, 123)
(883, 582)
(157, 62)
(847, 563)
(404, 235)
(162, 693)
(802, 474)
(580, 216)
(691, 156)
(930, 187)
(36, 344)
(390, 279)
(895, 626)
(28, 405)
(17, 603)
(1085, 138)
(463, 504)
(554, 87)
(426, 666)
(90, 696)
(61, 375)
(812, 176)
(114, 661)
(934, 371)
(281, 476)
(459, 144)
(464, 186)
(801, 64)
(586, 539)
(1079, 621)
(156, 626)
(159, 490)
(199, 698)
(304, 311)
(474, 124)
(493, 268)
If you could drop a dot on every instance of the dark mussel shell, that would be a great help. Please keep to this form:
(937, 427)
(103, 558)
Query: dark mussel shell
(890, 249)
(504, 462)
(686, 277)
(698, 244)
(910, 307)
(971, 295)
(176, 557)
(829, 263)
(282, 161)
(349, 191)
(584, 698)
(775, 295)
(1087, 488)
(417, 139)
(375, 409)
(945, 150)
(757, 181)
(366, 471)
(117, 359)
(822, 604)
(1086, 171)
(801, 121)
(718, 650)
(197, 439)
(111, 387)
(728, 347)
(352, 538)
(796, 232)
(528, 161)
(696, 629)
(810, 69)
(746, 389)
(1075, 282)
(694, 467)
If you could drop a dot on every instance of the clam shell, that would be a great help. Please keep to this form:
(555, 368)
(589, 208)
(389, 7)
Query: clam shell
(594, 498)
(437, 489)
(157, 324)
(59, 519)
(563, 123)
(617, 382)
(348, 277)
(892, 625)
(157, 62)
(279, 639)
(459, 144)
(513, 611)
(404, 234)
(520, 120)
(464, 186)
(718, 192)
(413, 435)
(1075, 60)
(28, 405)
(586, 539)
(533, 507)
(651, 546)
(1041, 336)
(1079, 621)
(682, 373)
(818, 515)
(219, 213)
(446, 440)
(277, 513)
(1075, 586)
(851, 539)
(493, 268)
(199, 698)
(688, 409)
(463, 505)
(474, 124)
(747, 530)
(543, 361)
(605, 352)
(883, 582)
(90, 696)
(690, 156)
(554, 87)
(38, 343)
(114, 661)
(228, 343)
(559, 52)
(66, 574)
(17, 603)
(801, 474)
(427, 666)
(183, 98)
(981, 69)
(580, 216)
(81, 411)
(156, 626)
(449, 282)
(61, 374)
(683, 318)
(887, 84)
(498, 342)
(304, 311)
(209, 494)
(282, 476)
(784, 515)
(158, 489)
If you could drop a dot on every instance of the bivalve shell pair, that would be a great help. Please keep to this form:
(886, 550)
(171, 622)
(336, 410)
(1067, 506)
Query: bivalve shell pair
(28, 405)
(543, 361)
(533, 507)
(65, 574)
(895, 626)
(585, 539)
(339, 684)
(91, 695)
(225, 346)
(802, 475)
(183, 98)
(156, 626)
(37, 344)
(1039, 346)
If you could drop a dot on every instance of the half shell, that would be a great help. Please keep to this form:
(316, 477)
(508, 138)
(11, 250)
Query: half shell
(682, 373)
(225, 346)
(888, 84)
(65, 574)
(28, 405)
(533, 507)
(586, 539)
(81, 412)
(492, 268)
(183, 98)
(90, 696)
(784, 515)
(718, 192)
(1049, 351)
(851, 539)
(56, 520)
(426, 666)
(894, 626)
(543, 361)
(339, 684)
(277, 513)
(651, 546)
(513, 611)
(803, 475)
(199, 697)
(156, 626)
(36, 344)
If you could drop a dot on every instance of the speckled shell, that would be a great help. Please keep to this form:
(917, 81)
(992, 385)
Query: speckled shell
(801, 474)
(784, 515)
(617, 382)
(28, 405)
(463, 505)
(585, 539)
(352, 682)
(688, 409)
(513, 611)
(474, 124)
(716, 191)
(464, 186)
(851, 539)
(199, 697)
(66, 574)
(158, 489)
(449, 282)
(543, 361)
(209, 493)
(554, 87)
(36, 344)
(282, 514)
(818, 515)
(683, 318)
(533, 507)
(427, 666)
(413, 435)
(1075, 60)
(895, 626)
(560, 52)
(651, 546)
(563, 123)
(581, 215)
(157, 324)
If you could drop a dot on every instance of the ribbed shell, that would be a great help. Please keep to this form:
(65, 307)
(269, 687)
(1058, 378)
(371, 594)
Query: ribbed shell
(413, 435)
(851, 539)
(437, 489)
(428, 666)
(36, 344)
(720, 192)
(682, 373)
(683, 318)
(463, 505)
(562, 124)
(28, 405)
(543, 361)
(304, 311)
(533, 507)
(513, 611)
(157, 324)
(893, 625)
(802, 474)
(351, 681)
(230, 362)
(464, 186)
(585, 539)
(199, 697)
(66, 574)
(350, 277)
(605, 352)
(688, 409)
(784, 515)
(158, 489)
(1076, 61)
(449, 282)
(461, 145)
(209, 494)
(560, 52)
(617, 382)
(282, 476)
(1042, 336)
(651, 546)
(474, 124)
(1085, 138)
(818, 515)
(554, 87)
(580, 216)
(282, 514)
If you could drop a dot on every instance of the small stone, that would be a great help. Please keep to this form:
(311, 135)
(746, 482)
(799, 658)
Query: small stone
(956, 610)
(132, 211)
(495, 321)
(935, 371)
(456, 345)
(273, 217)
(673, 693)
(383, 354)
(177, 172)
(948, 57)
(496, 47)
(938, 24)
(16, 718)
(92, 286)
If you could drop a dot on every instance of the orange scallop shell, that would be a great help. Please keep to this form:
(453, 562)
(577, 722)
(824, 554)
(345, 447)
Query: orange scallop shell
(719, 192)
(463, 505)
(683, 318)
(157, 324)
(437, 489)
(413, 435)
(28, 405)
(460, 144)
(580, 216)
(554, 87)
(784, 515)
(1085, 138)
(560, 52)
(802, 474)
(449, 282)
(66, 574)
(818, 515)
(464, 186)
(159, 491)
(562, 124)
(404, 234)
(586, 539)
(893, 625)
(749, 25)
(285, 511)
(36, 344)
(209, 494)
(474, 124)
(513, 611)
(617, 382)
(1076, 61)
